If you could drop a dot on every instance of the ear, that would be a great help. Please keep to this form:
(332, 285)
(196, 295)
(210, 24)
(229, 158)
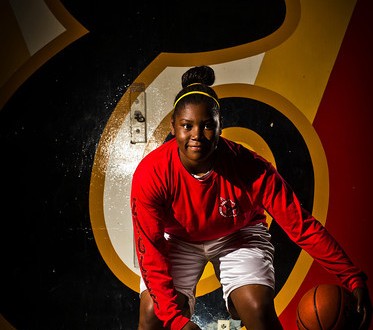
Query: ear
(172, 126)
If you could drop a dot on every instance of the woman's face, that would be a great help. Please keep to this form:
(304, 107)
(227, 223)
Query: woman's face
(197, 131)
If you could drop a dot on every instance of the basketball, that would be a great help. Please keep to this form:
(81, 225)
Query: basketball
(327, 307)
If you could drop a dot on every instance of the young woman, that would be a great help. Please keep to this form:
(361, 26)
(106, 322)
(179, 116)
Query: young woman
(200, 197)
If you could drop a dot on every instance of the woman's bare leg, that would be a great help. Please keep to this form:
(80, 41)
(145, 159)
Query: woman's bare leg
(148, 320)
(254, 305)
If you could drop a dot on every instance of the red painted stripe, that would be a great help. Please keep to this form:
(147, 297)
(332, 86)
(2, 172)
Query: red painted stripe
(344, 124)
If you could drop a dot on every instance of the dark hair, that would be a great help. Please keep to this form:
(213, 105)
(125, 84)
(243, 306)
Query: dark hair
(196, 84)
(199, 74)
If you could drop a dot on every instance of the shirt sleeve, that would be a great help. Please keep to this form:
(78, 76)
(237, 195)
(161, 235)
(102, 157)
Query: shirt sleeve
(307, 232)
(148, 212)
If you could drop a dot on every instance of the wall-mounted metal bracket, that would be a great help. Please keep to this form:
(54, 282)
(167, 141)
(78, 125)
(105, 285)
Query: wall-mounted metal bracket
(138, 113)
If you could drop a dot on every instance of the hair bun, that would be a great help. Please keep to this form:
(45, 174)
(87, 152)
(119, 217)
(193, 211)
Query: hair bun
(198, 74)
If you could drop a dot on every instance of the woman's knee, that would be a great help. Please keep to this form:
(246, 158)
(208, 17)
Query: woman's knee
(254, 306)
(148, 320)
(252, 300)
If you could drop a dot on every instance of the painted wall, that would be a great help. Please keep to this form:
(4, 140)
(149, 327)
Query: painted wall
(294, 80)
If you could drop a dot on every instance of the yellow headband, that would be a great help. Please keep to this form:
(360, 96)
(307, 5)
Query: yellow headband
(194, 84)
(197, 92)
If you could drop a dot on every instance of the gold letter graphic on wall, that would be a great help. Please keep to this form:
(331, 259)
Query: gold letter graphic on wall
(31, 33)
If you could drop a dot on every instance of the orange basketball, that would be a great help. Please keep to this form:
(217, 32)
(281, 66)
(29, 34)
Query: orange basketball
(327, 307)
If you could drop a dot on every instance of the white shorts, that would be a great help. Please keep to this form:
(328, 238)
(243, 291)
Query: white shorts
(244, 257)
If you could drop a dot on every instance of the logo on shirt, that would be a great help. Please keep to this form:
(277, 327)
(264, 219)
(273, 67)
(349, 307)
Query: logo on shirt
(228, 208)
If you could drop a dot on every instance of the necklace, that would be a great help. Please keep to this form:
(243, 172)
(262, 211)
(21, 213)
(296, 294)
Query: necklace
(202, 176)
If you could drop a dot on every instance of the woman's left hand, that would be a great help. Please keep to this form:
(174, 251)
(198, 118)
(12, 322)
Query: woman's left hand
(364, 307)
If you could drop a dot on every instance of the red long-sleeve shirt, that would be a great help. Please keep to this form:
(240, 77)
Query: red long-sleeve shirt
(165, 197)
